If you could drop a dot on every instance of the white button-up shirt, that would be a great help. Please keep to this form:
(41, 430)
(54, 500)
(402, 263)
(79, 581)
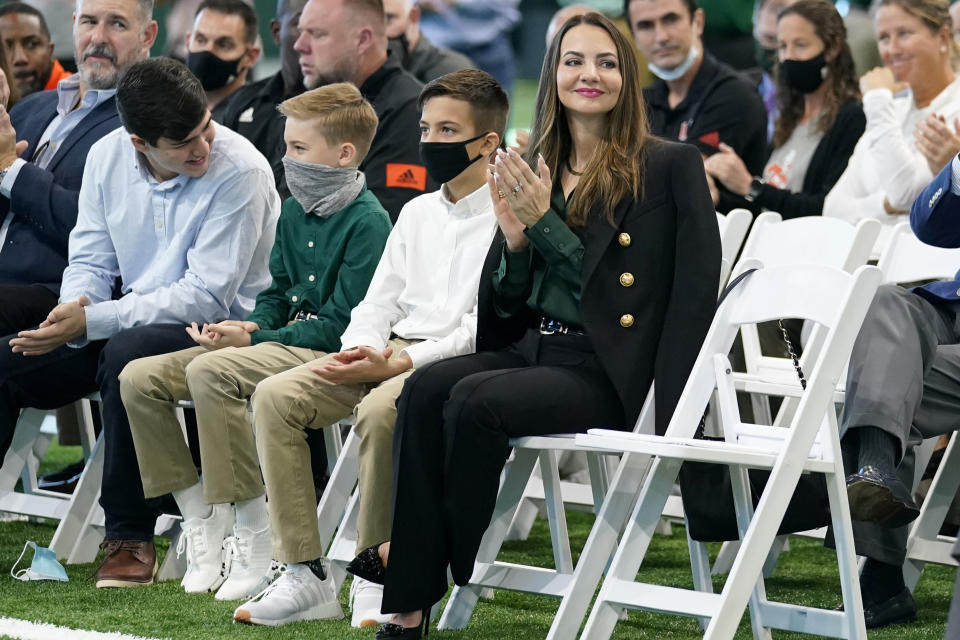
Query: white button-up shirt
(185, 249)
(425, 286)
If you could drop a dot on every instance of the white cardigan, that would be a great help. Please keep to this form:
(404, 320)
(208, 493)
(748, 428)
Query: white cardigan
(886, 163)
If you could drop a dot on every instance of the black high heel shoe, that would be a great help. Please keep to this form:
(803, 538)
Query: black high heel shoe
(392, 631)
(367, 565)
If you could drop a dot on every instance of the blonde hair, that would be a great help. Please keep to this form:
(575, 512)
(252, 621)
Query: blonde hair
(935, 14)
(339, 113)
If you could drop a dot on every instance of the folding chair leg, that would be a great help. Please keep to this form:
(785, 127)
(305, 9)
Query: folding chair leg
(556, 516)
(600, 545)
(724, 560)
(75, 534)
(174, 565)
(925, 530)
(462, 601)
(700, 567)
(846, 553)
(336, 496)
(523, 521)
(632, 549)
(21, 448)
(743, 502)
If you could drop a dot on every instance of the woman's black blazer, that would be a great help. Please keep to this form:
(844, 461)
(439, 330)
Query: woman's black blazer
(668, 241)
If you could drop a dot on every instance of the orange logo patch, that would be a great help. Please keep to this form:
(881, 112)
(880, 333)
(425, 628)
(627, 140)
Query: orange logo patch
(407, 176)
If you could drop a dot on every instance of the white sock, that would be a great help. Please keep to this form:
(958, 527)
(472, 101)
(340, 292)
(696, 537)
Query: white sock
(252, 514)
(191, 502)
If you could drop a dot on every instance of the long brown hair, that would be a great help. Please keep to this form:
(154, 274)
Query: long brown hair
(841, 75)
(615, 170)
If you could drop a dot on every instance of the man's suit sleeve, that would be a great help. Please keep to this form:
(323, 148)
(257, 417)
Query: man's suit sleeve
(935, 214)
(51, 208)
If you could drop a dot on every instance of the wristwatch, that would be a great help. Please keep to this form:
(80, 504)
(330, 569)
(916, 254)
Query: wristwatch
(756, 185)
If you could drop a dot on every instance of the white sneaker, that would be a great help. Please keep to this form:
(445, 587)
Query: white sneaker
(202, 539)
(366, 599)
(298, 594)
(249, 562)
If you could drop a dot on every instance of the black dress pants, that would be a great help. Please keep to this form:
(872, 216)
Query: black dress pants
(24, 306)
(455, 418)
(65, 375)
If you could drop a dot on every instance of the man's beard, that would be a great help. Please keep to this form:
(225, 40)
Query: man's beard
(97, 76)
(36, 83)
(344, 71)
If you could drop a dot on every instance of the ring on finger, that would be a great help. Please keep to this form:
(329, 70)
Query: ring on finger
(518, 188)
(501, 194)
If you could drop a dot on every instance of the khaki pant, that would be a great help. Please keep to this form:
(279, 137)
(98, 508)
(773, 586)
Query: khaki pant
(287, 404)
(219, 383)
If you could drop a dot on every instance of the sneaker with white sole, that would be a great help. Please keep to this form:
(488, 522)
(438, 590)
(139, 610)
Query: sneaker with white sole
(366, 598)
(202, 540)
(298, 594)
(248, 563)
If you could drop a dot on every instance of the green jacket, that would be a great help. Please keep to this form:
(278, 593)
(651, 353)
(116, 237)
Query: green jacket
(322, 266)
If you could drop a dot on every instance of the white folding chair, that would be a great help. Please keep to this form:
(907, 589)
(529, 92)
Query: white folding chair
(906, 259)
(837, 301)
(733, 231)
(807, 240)
(31, 438)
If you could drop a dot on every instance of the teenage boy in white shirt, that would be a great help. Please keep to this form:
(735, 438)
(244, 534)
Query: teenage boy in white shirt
(420, 307)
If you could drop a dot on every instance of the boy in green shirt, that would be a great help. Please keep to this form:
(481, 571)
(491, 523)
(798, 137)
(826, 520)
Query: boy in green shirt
(329, 239)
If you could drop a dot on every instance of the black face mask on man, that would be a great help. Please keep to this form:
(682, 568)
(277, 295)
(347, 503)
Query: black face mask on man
(765, 58)
(212, 72)
(446, 160)
(805, 76)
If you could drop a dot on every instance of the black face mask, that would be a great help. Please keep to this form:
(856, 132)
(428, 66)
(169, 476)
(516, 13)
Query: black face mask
(764, 57)
(446, 160)
(212, 72)
(804, 75)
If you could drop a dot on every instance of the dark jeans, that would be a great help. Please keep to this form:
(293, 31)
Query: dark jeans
(24, 306)
(67, 374)
(455, 418)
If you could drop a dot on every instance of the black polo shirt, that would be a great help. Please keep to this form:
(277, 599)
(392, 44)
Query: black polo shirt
(392, 167)
(252, 112)
(721, 106)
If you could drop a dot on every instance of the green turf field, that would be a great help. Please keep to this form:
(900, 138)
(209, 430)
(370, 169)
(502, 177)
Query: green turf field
(806, 574)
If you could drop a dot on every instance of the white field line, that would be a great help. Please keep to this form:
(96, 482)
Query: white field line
(26, 630)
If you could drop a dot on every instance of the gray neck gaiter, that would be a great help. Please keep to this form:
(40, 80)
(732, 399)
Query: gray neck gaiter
(322, 190)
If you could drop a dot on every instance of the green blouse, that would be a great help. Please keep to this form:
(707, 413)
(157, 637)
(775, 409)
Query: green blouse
(546, 274)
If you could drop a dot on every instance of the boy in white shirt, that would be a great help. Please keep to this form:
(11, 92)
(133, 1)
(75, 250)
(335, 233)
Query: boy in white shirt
(420, 307)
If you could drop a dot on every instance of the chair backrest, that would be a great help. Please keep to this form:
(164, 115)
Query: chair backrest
(733, 231)
(809, 240)
(906, 259)
(834, 299)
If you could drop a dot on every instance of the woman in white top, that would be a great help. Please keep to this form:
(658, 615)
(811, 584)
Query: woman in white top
(911, 97)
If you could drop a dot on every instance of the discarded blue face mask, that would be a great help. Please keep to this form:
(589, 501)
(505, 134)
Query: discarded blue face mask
(43, 567)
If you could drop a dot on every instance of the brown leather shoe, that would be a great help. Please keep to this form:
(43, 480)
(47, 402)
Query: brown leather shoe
(127, 563)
